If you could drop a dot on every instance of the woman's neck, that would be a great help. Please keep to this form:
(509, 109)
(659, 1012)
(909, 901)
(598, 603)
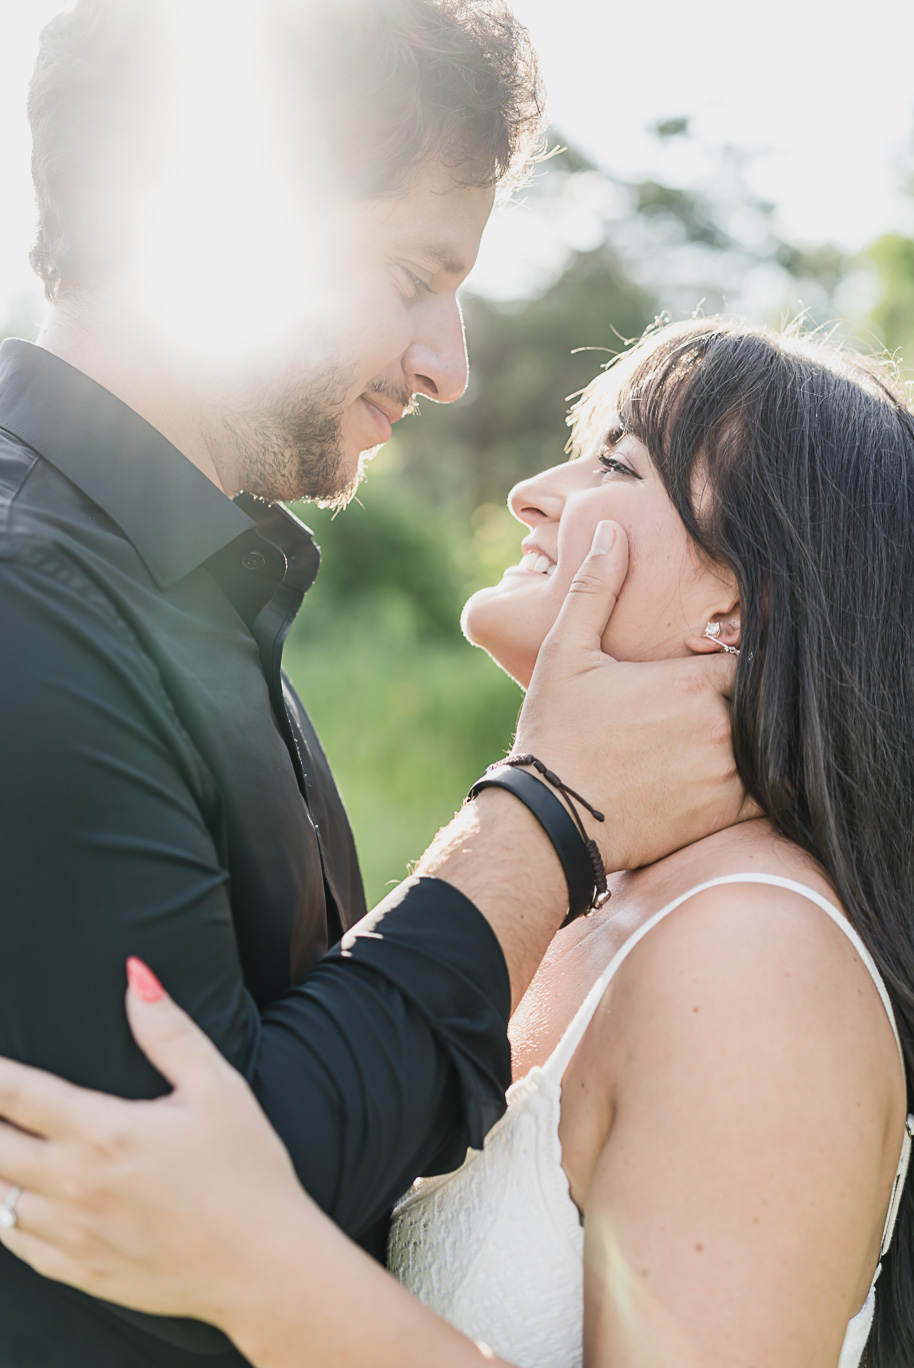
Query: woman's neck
(580, 953)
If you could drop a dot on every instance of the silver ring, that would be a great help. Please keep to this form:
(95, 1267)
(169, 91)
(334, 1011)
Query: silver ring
(8, 1209)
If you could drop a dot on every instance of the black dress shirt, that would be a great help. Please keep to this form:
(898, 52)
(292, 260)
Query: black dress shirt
(163, 794)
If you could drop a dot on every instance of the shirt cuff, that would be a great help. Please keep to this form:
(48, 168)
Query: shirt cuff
(437, 949)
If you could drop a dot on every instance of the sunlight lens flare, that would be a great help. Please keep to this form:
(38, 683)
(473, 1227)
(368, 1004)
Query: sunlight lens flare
(227, 250)
(622, 1307)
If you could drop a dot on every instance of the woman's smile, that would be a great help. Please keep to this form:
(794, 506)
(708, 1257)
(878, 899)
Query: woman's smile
(668, 593)
(534, 561)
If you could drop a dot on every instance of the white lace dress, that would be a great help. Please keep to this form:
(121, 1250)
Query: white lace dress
(496, 1247)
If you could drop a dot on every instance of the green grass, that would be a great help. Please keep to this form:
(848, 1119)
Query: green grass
(407, 725)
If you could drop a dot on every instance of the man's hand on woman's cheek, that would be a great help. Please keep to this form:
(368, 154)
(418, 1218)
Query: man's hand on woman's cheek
(647, 744)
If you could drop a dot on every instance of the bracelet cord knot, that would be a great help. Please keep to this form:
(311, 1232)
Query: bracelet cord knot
(601, 889)
(600, 892)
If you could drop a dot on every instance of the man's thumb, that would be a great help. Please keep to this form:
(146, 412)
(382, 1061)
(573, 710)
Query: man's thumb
(169, 1039)
(593, 592)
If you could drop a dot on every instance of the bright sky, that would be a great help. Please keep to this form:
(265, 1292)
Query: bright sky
(822, 92)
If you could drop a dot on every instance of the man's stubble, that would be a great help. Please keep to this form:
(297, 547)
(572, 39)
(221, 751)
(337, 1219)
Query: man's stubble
(287, 444)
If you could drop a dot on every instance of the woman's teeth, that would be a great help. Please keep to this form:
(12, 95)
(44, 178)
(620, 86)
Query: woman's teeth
(542, 565)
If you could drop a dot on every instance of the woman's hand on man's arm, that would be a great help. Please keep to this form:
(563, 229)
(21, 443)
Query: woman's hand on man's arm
(190, 1206)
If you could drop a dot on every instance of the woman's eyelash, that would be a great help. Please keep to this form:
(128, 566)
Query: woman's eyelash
(612, 463)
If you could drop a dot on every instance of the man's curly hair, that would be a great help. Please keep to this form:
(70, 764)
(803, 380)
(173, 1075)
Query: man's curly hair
(394, 84)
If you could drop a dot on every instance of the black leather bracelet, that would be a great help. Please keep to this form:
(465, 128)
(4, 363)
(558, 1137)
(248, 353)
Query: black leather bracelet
(558, 826)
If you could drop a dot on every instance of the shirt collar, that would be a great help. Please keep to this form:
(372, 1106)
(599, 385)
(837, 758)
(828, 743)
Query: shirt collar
(174, 516)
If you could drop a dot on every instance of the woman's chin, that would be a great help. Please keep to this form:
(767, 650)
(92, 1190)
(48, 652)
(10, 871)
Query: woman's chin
(486, 622)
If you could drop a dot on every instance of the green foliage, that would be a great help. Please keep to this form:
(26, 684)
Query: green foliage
(407, 721)
(526, 361)
(391, 558)
(671, 128)
(892, 317)
(690, 211)
(889, 263)
(408, 712)
(824, 263)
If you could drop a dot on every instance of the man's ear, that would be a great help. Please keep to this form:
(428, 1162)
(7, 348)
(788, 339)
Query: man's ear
(720, 630)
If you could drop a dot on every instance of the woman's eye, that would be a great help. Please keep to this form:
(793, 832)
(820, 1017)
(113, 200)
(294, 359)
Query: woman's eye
(614, 466)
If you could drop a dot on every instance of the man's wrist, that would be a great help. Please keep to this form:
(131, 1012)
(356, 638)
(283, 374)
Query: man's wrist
(496, 853)
(556, 807)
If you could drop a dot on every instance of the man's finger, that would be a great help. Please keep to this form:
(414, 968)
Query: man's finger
(720, 670)
(592, 596)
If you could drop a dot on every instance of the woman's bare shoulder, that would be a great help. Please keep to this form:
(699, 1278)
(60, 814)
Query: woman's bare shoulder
(743, 967)
(756, 1114)
(756, 967)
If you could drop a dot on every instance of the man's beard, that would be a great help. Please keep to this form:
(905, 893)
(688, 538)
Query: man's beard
(287, 444)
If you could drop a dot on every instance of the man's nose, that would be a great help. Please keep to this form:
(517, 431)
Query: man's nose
(435, 363)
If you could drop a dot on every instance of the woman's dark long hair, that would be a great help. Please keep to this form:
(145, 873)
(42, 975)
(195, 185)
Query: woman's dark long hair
(792, 462)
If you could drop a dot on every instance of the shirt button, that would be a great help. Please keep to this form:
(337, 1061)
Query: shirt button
(253, 560)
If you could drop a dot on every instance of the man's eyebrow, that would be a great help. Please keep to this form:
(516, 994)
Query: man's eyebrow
(442, 256)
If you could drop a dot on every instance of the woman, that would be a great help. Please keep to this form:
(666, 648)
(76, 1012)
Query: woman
(708, 1124)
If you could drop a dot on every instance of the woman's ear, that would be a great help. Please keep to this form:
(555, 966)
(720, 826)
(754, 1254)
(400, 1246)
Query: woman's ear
(721, 632)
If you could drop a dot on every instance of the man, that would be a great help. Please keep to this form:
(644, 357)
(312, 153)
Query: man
(164, 793)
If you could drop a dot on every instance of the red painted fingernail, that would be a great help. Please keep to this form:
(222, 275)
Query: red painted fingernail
(143, 981)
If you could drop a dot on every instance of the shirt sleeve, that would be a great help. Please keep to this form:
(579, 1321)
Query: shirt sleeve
(406, 1022)
(385, 1062)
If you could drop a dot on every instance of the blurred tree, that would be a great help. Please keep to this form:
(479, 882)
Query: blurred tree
(433, 524)
(891, 259)
(392, 559)
(527, 361)
(889, 263)
(657, 247)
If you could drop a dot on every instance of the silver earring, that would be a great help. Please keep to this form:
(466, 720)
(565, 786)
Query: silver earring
(712, 632)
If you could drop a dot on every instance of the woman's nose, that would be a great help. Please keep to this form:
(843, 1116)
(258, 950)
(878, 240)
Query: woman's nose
(539, 499)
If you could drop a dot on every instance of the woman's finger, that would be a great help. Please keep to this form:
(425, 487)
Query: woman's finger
(54, 1261)
(169, 1039)
(25, 1160)
(40, 1218)
(44, 1104)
